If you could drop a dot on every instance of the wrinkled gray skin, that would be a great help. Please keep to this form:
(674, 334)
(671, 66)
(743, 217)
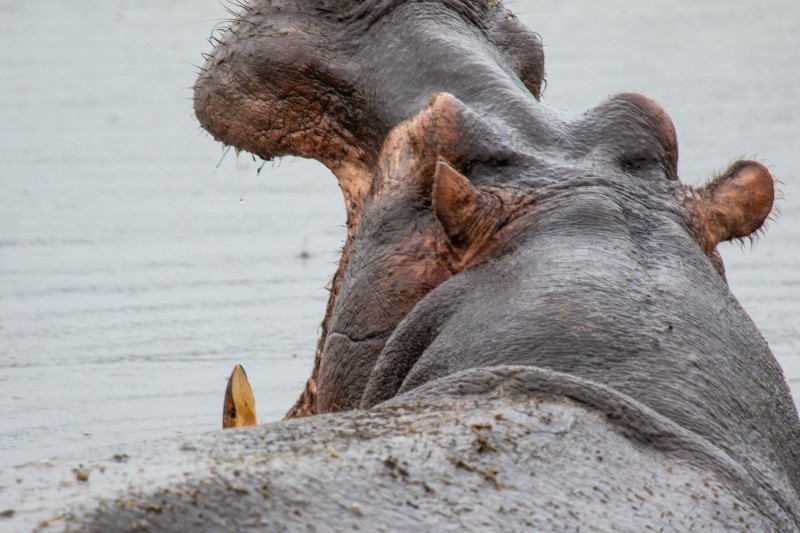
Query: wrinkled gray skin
(592, 370)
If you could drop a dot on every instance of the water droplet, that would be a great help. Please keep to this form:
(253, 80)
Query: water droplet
(241, 201)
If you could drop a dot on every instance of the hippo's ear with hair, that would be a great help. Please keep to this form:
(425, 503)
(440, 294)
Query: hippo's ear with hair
(467, 215)
(733, 205)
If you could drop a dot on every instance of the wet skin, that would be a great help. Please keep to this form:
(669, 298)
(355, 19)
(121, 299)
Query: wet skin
(487, 229)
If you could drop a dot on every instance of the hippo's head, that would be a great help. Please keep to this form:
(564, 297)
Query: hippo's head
(600, 219)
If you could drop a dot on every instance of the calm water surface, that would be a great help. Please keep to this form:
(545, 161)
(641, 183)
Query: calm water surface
(133, 275)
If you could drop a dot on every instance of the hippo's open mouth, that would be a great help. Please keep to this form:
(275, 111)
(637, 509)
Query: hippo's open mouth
(321, 81)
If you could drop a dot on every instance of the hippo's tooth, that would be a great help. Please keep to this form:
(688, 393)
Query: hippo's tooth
(239, 408)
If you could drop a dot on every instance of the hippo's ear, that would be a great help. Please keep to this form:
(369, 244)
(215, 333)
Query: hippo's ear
(408, 156)
(239, 408)
(467, 215)
(733, 205)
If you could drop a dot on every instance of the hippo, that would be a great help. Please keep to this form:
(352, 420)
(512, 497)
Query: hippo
(529, 327)
(487, 230)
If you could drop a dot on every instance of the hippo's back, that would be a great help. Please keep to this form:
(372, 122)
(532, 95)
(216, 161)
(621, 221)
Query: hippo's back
(499, 449)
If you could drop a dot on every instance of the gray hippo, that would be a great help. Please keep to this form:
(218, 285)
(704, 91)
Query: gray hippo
(530, 327)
